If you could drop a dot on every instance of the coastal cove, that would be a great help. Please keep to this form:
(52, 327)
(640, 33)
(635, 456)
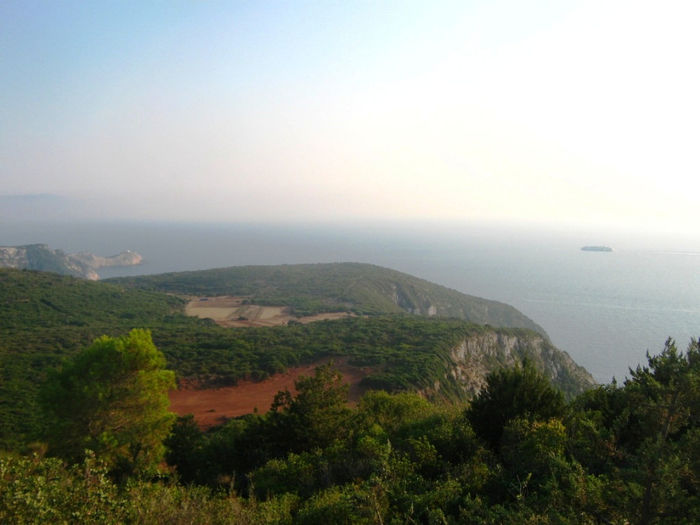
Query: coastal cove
(605, 309)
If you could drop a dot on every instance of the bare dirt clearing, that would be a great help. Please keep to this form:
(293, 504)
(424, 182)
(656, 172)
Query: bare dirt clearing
(213, 406)
(235, 312)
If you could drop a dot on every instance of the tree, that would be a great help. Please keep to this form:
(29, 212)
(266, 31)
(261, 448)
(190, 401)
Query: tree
(111, 398)
(317, 414)
(644, 438)
(185, 446)
(513, 392)
(661, 433)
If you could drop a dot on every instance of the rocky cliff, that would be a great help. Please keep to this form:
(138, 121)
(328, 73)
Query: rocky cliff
(471, 360)
(41, 257)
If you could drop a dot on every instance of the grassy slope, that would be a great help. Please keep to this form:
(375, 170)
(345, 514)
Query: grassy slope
(314, 288)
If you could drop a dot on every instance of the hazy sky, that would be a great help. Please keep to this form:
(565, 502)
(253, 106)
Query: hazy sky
(545, 112)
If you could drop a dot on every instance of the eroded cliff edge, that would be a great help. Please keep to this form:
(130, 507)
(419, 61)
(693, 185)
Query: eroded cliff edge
(470, 361)
(41, 257)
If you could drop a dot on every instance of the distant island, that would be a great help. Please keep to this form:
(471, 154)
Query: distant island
(596, 249)
(83, 264)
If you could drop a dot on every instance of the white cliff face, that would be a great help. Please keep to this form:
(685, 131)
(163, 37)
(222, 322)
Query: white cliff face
(12, 257)
(127, 258)
(476, 356)
(41, 257)
(416, 307)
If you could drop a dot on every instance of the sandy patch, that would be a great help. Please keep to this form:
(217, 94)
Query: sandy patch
(213, 406)
(234, 312)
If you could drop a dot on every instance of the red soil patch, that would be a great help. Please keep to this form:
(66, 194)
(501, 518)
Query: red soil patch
(213, 406)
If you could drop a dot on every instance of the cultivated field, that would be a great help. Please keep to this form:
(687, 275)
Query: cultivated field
(233, 311)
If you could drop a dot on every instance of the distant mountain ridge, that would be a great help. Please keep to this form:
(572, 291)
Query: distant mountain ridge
(329, 287)
(41, 257)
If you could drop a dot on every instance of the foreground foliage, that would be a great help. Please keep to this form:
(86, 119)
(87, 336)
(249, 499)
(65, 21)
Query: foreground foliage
(616, 454)
(111, 398)
(517, 454)
(36, 490)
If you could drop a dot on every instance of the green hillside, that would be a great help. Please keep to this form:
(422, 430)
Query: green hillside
(45, 318)
(355, 287)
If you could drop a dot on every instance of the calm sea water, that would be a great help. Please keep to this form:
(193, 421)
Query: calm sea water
(605, 309)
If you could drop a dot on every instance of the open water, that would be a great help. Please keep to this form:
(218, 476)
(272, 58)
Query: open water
(605, 309)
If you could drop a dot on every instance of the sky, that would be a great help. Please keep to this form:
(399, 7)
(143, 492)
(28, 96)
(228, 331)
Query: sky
(525, 112)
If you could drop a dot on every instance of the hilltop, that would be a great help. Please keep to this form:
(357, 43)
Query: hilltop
(310, 289)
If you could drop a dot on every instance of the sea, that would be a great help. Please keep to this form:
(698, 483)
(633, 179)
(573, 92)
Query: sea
(606, 309)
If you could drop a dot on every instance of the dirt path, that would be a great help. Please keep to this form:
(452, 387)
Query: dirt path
(214, 406)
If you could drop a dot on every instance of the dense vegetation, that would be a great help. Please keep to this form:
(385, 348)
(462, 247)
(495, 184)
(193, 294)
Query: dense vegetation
(111, 398)
(520, 452)
(45, 318)
(313, 288)
(615, 454)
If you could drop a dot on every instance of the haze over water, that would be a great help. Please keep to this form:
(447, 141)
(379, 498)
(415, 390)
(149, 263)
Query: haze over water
(562, 116)
(605, 309)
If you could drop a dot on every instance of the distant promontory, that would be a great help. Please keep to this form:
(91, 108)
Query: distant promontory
(596, 249)
(83, 264)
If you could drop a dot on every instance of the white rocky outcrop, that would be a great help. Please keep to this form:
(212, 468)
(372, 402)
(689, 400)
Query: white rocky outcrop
(41, 257)
(471, 360)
